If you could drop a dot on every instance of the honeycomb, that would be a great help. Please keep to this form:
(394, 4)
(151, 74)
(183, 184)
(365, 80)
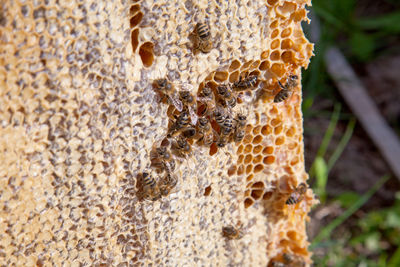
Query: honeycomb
(79, 118)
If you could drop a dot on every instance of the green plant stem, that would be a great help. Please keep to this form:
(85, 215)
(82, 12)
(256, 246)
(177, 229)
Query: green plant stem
(342, 144)
(327, 230)
(327, 137)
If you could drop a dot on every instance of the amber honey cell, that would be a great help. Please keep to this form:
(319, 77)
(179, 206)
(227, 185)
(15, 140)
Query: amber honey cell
(258, 168)
(256, 194)
(146, 53)
(248, 158)
(248, 148)
(135, 39)
(221, 76)
(232, 170)
(268, 150)
(134, 9)
(234, 65)
(278, 130)
(280, 140)
(250, 177)
(269, 160)
(257, 139)
(257, 149)
(257, 159)
(240, 159)
(256, 130)
(275, 55)
(240, 149)
(275, 43)
(136, 19)
(264, 65)
(286, 44)
(248, 202)
(249, 168)
(234, 76)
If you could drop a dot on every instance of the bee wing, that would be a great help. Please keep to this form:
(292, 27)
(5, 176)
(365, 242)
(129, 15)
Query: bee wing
(185, 86)
(193, 115)
(176, 102)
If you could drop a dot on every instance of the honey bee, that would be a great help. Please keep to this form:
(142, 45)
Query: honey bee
(189, 132)
(219, 116)
(150, 188)
(206, 131)
(240, 120)
(231, 232)
(181, 146)
(297, 195)
(181, 122)
(287, 89)
(207, 97)
(165, 158)
(190, 101)
(238, 135)
(293, 260)
(223, 139)
(167, 184)
(247, 83)
(227, 126)
(167, 88)
(227, 96)
(202, 39)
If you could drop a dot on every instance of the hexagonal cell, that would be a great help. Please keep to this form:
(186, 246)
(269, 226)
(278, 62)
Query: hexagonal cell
(286, 44)
(134, 9)
(249, 168)
(248, 159)
(220, 76)
(266, 130)
(146, 54)
(275, 43)
(135, 39)
(286, 32)
(255, 64)
(234, 65)
(135, 20)
(250, 177)
(274, 33)
(288, 57)
(268, 150)
(269, 160)
(247, 139)
(280, 140)
(258, 168)
(257, 149)
(240, 169)
(275, 55)
(240, 159)
(264, 65)
(257, 139)
(240, 149)
(248, 202)
(264, 54)
(257, 159)
(256, 194)
(278, 129)
(232, 170)
(234, 76)
(248, 148)
(294, 161)
(290, 132)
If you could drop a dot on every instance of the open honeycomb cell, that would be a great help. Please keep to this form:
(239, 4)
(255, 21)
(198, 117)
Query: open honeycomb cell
(80, 118)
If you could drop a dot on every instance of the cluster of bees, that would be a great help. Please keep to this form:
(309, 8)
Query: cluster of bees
(213, 122)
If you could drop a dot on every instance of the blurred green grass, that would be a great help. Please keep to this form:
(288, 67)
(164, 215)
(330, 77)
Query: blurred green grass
(362, 38)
